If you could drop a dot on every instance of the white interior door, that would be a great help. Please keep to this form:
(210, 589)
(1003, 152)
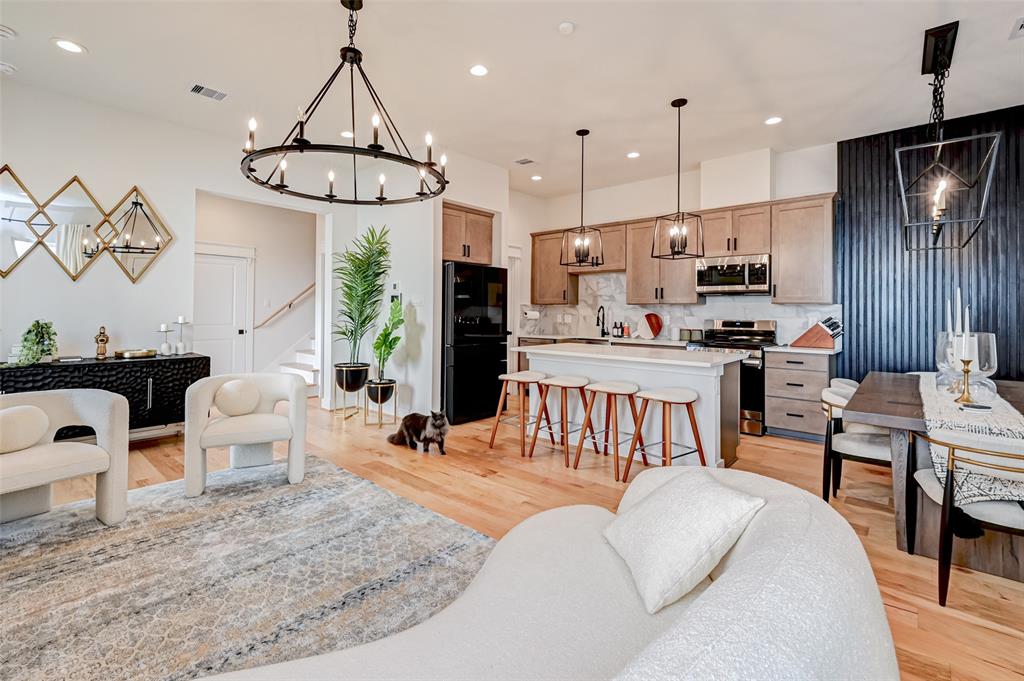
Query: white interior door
(222, 327)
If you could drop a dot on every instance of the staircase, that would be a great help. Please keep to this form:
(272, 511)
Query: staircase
(305, 365)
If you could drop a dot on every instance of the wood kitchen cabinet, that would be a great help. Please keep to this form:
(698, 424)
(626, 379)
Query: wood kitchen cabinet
(802, 256)
(613, 244)
(654, 281)
(466, 235)
(551, 283)
(745, 230)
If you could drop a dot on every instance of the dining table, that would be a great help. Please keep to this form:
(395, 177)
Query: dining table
(893, 401)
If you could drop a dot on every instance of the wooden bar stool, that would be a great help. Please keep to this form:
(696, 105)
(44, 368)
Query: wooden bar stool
(668, 397)
(523, 379)
(565, 384)
(612, 390)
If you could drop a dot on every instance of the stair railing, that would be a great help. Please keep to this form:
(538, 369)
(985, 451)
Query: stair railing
(287, 306)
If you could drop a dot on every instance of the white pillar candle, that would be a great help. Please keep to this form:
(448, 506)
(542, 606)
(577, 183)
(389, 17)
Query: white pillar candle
(967, 332)
(959, 310)
(181, 319)
(949, 317)
(163, 327)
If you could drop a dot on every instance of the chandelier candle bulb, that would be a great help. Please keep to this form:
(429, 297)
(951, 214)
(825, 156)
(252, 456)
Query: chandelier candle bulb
(282, 166)
(381, 179)
(251, 142)
(423, 183)
(444, 162)
(376, 131)
(429, 139)
(330, 184)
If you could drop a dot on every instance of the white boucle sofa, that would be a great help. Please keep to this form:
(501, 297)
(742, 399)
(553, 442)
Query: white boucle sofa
(794, 599)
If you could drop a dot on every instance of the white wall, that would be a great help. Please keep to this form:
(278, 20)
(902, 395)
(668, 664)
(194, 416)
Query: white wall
(623, 202)
(527, 214)
(732, 180)
(284, 241)
(802, 172)
(47, 138)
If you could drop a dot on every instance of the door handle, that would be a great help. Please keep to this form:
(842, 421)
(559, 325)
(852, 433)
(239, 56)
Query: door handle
(735, 245)
(794, 361)
(795, 385)
(563, 294)
(775, 290)
(241, 332)
(469, 250)
(149, 393)
(796, 416)
(662, 295)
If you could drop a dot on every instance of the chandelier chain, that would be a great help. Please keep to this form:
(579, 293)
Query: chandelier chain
(353, 19)
(938, 84)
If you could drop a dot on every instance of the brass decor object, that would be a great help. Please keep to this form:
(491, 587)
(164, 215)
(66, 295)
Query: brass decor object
(135, 354)
(75, 229)
(101, 343)
(965, 396)
(382, 417)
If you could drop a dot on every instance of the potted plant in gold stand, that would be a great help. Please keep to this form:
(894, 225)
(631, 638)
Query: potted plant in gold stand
(360, 273)
(382, 389)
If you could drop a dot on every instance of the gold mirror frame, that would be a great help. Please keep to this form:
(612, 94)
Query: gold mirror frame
(158, 224)
(17, 180)
(103, 218)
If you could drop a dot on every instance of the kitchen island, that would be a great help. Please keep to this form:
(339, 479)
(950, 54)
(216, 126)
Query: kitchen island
(714, 375)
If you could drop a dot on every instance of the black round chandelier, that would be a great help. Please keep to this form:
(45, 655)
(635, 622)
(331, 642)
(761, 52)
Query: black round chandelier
(432, 181)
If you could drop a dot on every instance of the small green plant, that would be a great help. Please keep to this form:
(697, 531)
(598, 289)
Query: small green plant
(360, 272)
(386, 342)
(38, 341)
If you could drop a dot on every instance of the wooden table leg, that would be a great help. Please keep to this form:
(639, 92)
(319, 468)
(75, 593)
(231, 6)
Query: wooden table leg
(607, 419)
(522, 419)
(902, 457)
(666, 434)
(638, 423)
(696, 433)
(640, 435)
(583, 432)
(615, 433)
(565, 424)
(537, 422)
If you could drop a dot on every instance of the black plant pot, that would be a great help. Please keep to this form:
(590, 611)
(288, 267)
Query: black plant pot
(351, 376)
(380, 391)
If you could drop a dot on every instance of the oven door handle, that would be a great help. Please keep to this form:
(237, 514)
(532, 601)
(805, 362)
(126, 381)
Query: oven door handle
(752, 362)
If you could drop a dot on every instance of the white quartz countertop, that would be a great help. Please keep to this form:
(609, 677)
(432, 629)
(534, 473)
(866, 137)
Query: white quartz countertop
(665, 342)
(634, 353)
(806, 351)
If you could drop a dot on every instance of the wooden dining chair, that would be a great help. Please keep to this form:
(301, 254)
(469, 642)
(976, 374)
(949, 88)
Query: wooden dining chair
(998, 516)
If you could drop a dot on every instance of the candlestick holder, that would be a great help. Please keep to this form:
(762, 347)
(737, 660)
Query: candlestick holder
(165, 347)
(179, 349)
(965, 396)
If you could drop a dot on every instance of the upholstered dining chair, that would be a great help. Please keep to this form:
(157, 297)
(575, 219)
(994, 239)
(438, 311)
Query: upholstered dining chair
(970, 454)
(245, 421)
(30, 461)
(852, 442)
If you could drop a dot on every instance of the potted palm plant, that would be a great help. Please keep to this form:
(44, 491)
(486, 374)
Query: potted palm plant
(360, 273)
(381, 389)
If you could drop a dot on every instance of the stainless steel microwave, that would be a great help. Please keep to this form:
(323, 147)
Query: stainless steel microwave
(734, 274)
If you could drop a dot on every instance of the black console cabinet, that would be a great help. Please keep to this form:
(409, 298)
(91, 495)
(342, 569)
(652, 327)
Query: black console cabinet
(155, 386)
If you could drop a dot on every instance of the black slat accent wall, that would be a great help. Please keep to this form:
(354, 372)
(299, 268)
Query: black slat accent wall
(893, 300)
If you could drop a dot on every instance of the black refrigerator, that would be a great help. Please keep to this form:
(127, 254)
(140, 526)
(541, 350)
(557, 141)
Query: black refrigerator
(475, 340)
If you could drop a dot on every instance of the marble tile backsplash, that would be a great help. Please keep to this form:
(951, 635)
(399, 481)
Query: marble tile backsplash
(610, 290)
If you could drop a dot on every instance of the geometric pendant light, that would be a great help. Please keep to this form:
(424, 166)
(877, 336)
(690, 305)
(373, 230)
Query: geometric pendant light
(679, 235)
(582, 246)
(944, 184)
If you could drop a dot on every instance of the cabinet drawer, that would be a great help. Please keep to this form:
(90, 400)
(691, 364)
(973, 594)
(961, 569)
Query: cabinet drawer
(798, 415)
(797, 360)
(794, 383)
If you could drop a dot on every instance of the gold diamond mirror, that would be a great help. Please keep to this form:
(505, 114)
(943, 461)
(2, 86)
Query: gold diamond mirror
(17, 207)
(134, 234)
(73, 240)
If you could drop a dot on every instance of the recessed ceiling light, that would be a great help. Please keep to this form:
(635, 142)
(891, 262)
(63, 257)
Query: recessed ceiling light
(7, 69)
(69, 45)
(566, 28)
(536, 178)
(479, 70)
(633, 154)
(347, 134)
(774, 120)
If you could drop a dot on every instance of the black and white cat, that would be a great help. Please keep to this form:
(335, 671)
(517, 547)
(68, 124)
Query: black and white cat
(419, 428)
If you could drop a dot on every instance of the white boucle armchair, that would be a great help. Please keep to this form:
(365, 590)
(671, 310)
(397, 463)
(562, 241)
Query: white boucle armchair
(26, 473)
(246, 423)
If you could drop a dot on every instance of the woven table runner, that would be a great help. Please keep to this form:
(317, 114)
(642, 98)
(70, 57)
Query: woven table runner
(1001, 430)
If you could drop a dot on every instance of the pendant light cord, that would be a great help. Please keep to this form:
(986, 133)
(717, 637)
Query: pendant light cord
(938, 113)
(583, 145)
(679, 158)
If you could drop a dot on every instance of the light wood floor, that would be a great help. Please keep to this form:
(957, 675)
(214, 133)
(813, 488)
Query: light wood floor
(978, 637)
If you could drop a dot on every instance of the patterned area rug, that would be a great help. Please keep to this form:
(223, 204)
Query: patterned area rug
(253, 572)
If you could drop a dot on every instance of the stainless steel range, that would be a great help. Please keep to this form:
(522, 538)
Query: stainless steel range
(734, 335)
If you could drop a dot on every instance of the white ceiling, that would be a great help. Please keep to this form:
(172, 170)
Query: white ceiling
(833, 70)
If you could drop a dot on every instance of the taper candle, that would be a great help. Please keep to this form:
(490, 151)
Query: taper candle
(429, 139)
(376, 128)
(381, 179)
(959, 311)
(330, 183)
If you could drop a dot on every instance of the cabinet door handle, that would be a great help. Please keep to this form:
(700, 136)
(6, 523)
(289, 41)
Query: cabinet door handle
(795, 385)
(796, 416)
(563, 294)
(794, 361)
(735, 244)
(469, 250)
(663, 293)
(149, 393)
(775, 290)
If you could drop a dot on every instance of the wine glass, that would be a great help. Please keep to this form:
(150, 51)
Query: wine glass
(983, 389)
(949, 368)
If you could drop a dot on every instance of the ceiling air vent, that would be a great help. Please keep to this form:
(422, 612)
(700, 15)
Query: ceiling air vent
(524, 161)
(216, 95)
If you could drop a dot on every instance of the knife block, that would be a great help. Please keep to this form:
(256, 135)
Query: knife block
(815, 337)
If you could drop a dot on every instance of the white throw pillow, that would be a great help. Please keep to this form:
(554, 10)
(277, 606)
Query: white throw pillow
(237, 397)
(674, 537)
(21, 427)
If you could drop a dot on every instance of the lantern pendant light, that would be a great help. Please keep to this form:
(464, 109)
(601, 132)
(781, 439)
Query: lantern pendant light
(679, 235)
(944, 183)
(581, 246)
